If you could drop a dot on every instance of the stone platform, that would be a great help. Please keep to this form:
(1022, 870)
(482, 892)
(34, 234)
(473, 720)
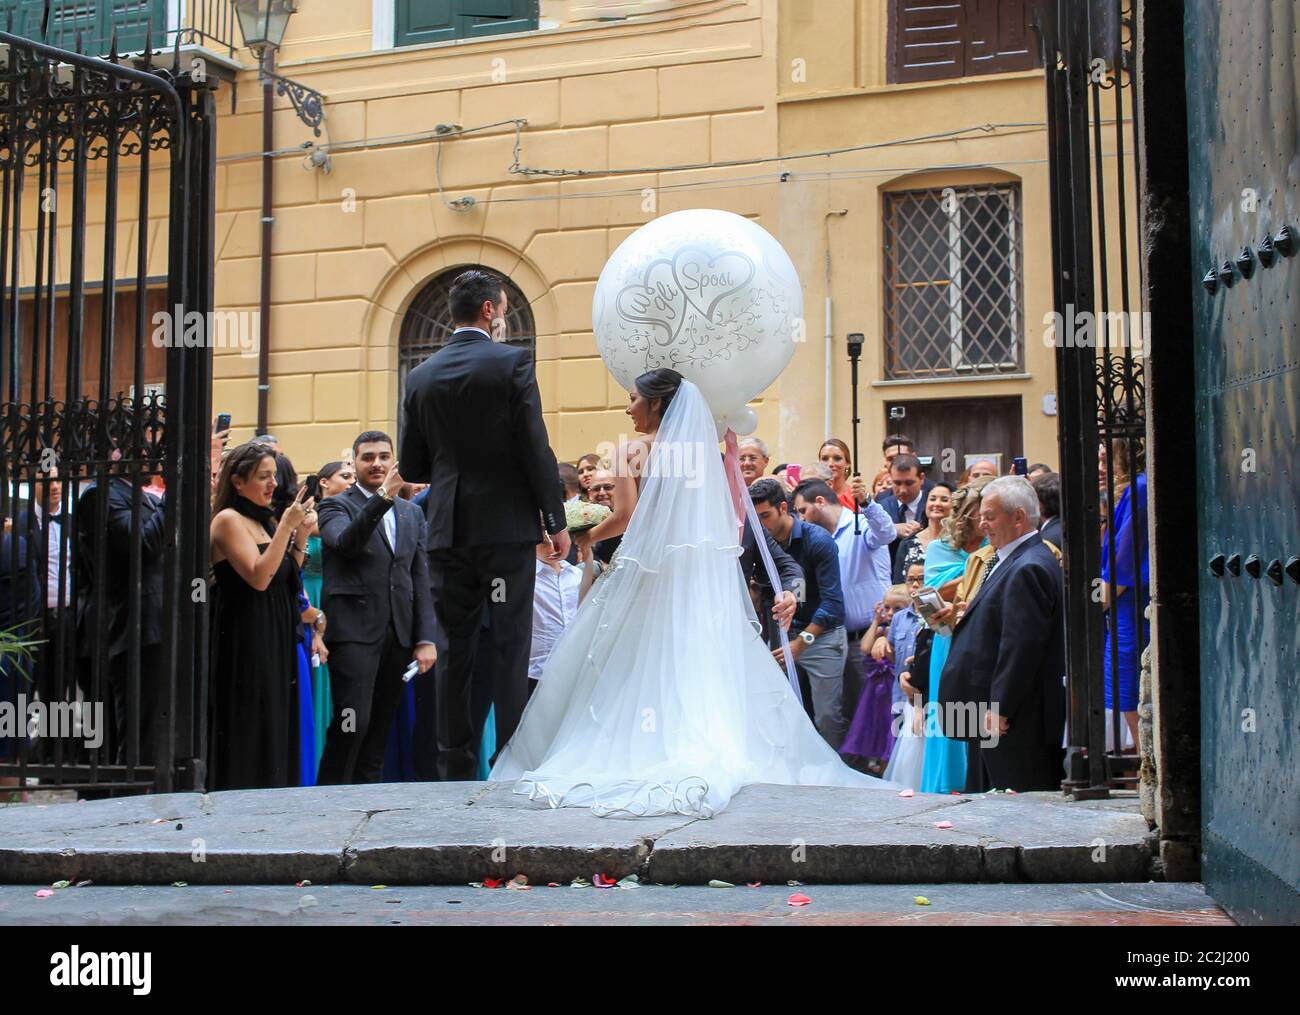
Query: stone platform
(457, 833)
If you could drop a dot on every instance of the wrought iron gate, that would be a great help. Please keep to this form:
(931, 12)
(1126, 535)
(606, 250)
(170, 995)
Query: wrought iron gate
(1091, 92)
(106, 254)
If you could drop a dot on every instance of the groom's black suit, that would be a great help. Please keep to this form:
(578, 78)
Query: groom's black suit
(474, 432)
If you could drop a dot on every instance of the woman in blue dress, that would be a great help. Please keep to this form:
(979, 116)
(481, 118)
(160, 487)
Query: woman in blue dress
(1126, 541)
(945, 564)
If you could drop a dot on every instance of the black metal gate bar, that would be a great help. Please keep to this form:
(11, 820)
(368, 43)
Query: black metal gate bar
(1088, 55)
(56, 107)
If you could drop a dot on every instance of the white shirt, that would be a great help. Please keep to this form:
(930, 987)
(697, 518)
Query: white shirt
(471, 328)
(1006, 552)
(53, 532)
(389, 519)
(911, 509)
(865, 570)
(555, 601)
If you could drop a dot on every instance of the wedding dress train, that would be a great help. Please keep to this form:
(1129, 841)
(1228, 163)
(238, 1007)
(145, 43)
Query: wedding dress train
(661, 696)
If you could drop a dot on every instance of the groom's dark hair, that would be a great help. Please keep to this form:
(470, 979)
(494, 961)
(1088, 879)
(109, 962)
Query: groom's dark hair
(470, 290)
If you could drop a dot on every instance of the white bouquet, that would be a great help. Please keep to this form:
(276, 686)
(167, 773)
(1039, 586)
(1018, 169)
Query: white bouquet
(580, 515)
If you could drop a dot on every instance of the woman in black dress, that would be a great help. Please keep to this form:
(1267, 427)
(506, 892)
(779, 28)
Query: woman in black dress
(255, 621)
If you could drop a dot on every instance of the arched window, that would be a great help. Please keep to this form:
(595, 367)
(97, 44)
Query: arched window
(427, 324)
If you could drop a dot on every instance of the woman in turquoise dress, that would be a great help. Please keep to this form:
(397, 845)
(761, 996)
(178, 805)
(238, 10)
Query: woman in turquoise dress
(335, 477)
(945, 564)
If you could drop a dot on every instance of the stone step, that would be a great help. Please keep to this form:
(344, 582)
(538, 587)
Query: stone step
(458, 833)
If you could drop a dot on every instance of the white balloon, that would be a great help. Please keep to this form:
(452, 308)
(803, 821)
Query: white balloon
(743, 421)
(709, 294)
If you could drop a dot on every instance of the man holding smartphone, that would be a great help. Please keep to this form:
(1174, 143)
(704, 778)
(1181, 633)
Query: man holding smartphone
(379, 601)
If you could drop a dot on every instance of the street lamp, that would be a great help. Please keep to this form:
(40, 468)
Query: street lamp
(263, 24)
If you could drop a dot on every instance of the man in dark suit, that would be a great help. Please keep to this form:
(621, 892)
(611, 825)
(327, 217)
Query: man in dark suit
(105, 525)
(474, 433)
(1001, 688)
(1048, 488)
(904, 502)
(42, 525)
(378, 606)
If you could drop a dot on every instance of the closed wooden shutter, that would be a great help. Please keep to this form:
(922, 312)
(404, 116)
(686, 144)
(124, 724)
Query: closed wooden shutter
(998, 37)
(927, 40)
(930, 40)
(421, 21)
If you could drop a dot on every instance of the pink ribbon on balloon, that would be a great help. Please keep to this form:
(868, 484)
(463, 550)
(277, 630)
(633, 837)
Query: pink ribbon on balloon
(745, 511)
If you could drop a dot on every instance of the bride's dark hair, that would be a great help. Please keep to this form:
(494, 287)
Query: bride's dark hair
(659, 384)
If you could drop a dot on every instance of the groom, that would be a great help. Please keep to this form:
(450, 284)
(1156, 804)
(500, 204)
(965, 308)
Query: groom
(474, 433)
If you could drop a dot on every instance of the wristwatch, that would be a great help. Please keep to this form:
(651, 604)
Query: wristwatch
(383, 492)
(808, 637)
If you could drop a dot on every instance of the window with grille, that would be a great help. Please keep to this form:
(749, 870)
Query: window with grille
(427, 324)
(954, 296)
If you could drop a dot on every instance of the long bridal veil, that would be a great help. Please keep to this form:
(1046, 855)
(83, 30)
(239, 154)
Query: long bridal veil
(661, 696)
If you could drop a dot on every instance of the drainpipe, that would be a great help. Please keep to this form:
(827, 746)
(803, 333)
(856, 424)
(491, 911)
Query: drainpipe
(827, 398)
(268, 196)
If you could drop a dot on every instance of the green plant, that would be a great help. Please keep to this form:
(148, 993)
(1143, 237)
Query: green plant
(17, 647)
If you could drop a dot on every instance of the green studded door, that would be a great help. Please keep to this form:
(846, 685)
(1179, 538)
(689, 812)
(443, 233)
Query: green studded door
(1243, 96)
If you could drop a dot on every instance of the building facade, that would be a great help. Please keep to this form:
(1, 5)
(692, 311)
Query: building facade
(532, 138)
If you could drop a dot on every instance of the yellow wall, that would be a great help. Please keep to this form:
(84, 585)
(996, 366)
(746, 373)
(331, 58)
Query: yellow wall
(693, 81)
(833, 92)
(693, 86)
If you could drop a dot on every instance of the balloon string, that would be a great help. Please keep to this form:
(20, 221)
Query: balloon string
(745, 510)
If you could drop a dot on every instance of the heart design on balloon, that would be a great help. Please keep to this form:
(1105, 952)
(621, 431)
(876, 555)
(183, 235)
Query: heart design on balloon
(655, 301)
(709, 293)
(699, 275)
(693, 279)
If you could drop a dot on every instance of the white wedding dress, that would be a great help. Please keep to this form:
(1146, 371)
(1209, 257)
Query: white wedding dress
(661, 696)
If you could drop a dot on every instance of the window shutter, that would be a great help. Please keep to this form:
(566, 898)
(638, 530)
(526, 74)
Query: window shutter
(927, 40)
(421, 21)
(999, 37)
(497, 17)
(930, 40)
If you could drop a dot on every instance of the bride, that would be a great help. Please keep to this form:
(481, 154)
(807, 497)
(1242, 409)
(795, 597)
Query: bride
(661, 697)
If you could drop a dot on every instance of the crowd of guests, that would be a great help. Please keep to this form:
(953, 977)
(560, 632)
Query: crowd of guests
(319, 583)
(874, 670)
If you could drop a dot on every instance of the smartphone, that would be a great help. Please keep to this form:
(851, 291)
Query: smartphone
(312, 483)
(223, 423)
(928, 603)
(792, 474)
(1020, 466)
